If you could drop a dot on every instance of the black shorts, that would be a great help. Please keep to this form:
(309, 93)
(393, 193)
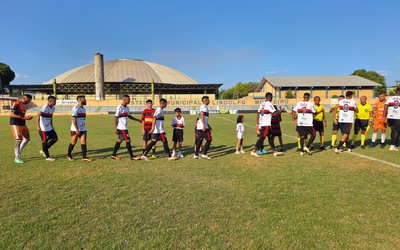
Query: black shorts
(48, 135)
(318, 126)
(360, 125)
(304, 131)
(200, 134)
(394, 124)
(177, 135)
(146, 136)
(123, 135)
(159, 137)
(335, 126)
(265, 131)
(73, 133)
(345, 128)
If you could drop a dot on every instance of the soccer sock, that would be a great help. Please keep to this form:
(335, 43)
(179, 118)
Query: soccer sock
(154, 150)
(374, 136)
(166, 148)
(271, 142)
(70, 148)
(341, 143)
(84, 151)
(23, 144)
(302, 144)
(363, 137)
(51, 143)
(321, 140)
(206, 147)
(198, 145)
(298, 142)
(312, 137)
(45, 149)
(383, 137)
(116, 147)
(333, 140)
(17, 149)
(149, 146)
(143, 150)
(129, 147)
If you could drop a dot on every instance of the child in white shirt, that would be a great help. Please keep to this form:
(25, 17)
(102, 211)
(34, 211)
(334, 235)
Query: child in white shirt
(240, 134)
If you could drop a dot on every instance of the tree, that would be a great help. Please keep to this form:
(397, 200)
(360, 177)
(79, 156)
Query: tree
(6, 76)
(373, 76)
(289, 94)
(238, 91)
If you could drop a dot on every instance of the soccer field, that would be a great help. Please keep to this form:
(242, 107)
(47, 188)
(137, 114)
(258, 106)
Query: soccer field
(232, 201)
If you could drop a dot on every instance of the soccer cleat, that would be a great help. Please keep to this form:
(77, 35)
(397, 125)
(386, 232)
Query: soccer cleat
(116, 158)
(254, 153)
(42, 153)
(180, 155)
(50, 159)
(382, 145)
(276, 153)
(242, 151)
(87, 160)
(19, 161)
(205, 157)
(338, 151)
(307, 150)
(69, 158)
(322, 148)
(154, 156)
(393, 148)
(362, 146)
(302, 153)
(196, 157)
(143, 157)
(349, 150)
(372, 145)
(264, 151)
(135, 158)
(237, 152)
(172, 158)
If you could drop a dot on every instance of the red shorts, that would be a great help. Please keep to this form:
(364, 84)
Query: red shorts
(19, 132)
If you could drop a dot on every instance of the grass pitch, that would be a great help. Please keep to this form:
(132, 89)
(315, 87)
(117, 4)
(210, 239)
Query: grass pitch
(232, 201)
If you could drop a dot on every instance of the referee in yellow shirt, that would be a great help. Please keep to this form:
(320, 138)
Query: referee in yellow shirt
(363, 120)
(319, 121)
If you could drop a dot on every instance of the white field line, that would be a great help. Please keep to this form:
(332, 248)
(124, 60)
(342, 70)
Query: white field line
(355, 154)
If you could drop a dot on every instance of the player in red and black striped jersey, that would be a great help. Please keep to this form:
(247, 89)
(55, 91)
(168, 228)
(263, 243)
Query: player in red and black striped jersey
(147, 123)
(18, 126)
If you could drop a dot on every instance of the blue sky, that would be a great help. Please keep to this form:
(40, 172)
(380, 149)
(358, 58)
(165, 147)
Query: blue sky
(211, 41)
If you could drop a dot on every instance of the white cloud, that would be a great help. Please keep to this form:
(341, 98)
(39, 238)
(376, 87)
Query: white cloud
(383, 72)
(20, 76)
(273, 71)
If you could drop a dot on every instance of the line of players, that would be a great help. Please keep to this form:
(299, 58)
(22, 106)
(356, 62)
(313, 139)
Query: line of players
(310, 118)
(152, 129)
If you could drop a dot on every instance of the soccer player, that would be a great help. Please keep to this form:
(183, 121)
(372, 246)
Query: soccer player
(392, 118)
(157, 132)
(178, 123)
(347, 108)
(122, 114)
(18, 126)
(44, 122)
(319, 121)
(305, 113)
(276, 131)
(379, 121)
(335, 126)
(147, 122)
(363, 120)
(78, 128)
(263, 125)
(203, 130)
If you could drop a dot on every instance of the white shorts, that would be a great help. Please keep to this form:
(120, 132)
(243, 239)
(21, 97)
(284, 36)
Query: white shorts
(240, 136)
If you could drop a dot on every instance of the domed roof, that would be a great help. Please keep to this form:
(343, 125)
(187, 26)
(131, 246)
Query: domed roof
(126, 70)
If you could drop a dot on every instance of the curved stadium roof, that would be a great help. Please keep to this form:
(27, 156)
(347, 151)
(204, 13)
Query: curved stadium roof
(126, 70)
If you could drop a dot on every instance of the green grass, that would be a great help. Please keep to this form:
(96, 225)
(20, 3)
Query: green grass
(233, 201)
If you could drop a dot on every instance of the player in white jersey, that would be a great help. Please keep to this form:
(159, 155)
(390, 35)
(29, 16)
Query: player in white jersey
(263, 127)
(78, 128)
(305, 115)
(158, 133)
(122, 114)
(347, 110)
(392, 118)
(203, 130)
(44, 122)
(178, 124)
